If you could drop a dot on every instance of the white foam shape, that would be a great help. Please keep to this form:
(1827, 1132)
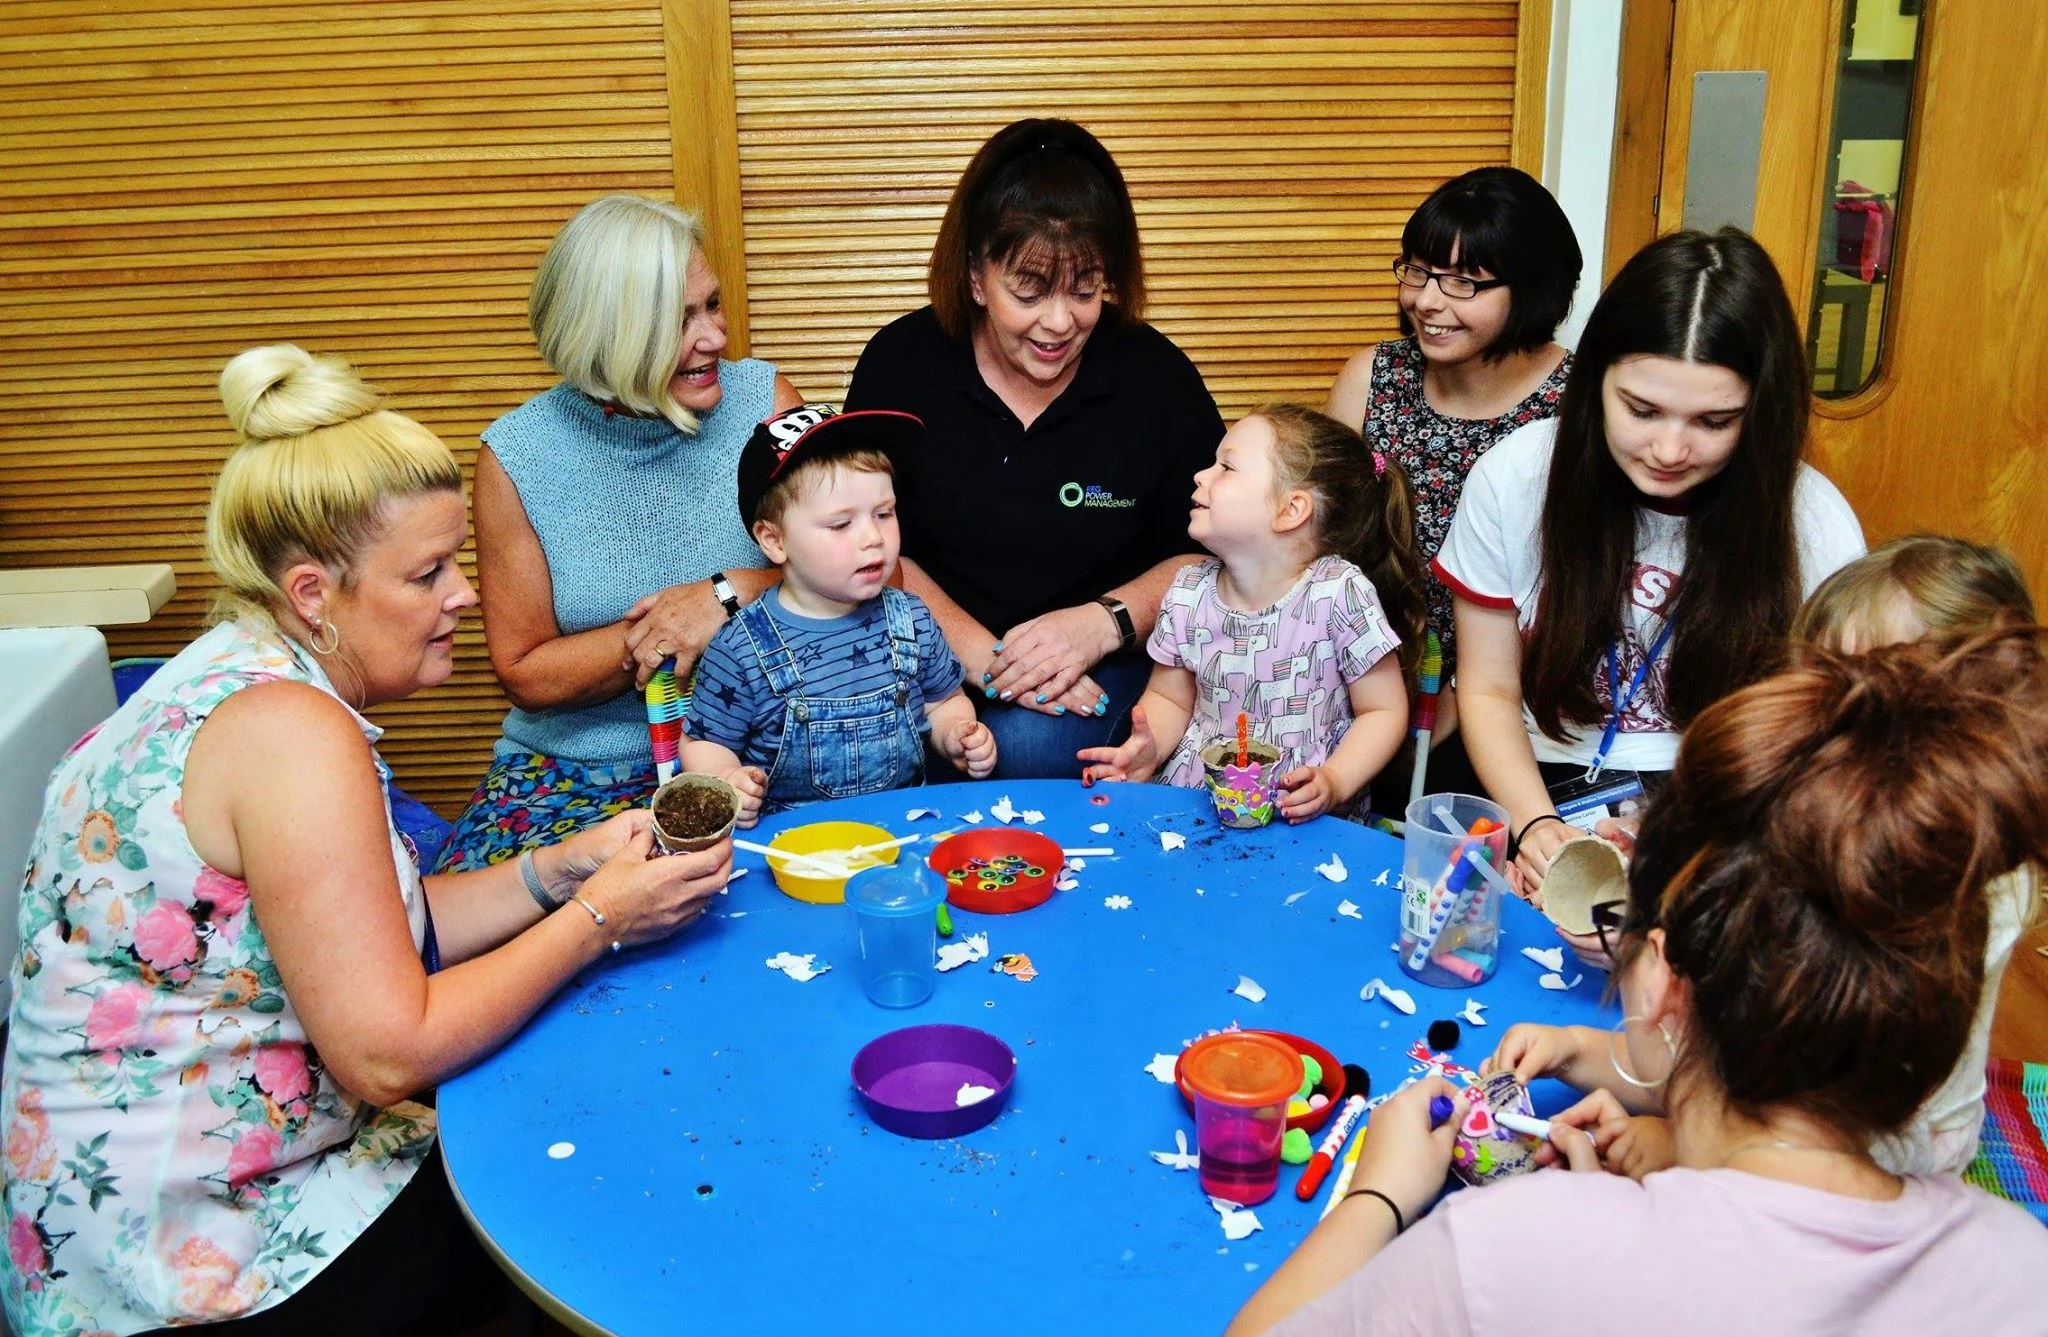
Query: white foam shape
(1238, 1222)
(561, 1151)
(1349, 909)
(1172, 840)
(972, 818)
(1381, 880)
(1398, 999)
(1180, 1158)
(1293, 898)
(970, 1094)
(1553, 980)
(1550, 958)
(1200, 892)
(737, 874)
(1100, 828)
(1117, 902)
(972, 948)
(1065, 882)
(737, 914)
(1032, 817)
(1162, 1066)
(802, 969)
(1003, 810)
(1077, 864)
(917, 814)
(1249, 989)
(1470, 1016)
(1334, 869)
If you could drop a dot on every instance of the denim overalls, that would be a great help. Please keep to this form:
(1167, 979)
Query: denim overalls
(838, 747)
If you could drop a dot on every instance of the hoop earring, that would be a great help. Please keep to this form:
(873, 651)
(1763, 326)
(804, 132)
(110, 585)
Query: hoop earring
(313, 641)
(1616, 1053)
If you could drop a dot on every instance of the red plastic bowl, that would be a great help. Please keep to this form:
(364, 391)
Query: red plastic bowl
(1333, 1080)
(992, 843)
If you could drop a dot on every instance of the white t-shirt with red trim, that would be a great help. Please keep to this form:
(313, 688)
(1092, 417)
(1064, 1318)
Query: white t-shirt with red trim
(1493, 557)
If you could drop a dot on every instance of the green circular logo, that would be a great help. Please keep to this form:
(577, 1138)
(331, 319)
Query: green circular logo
(1070, 494)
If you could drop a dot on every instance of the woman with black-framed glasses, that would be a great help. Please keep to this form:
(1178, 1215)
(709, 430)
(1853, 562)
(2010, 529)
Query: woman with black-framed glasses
(1798, 962)
(1486, 273)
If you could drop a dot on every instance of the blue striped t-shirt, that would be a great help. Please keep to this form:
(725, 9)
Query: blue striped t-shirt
(838, 657)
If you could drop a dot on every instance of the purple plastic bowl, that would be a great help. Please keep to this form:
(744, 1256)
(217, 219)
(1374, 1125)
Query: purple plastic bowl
(910, 1079)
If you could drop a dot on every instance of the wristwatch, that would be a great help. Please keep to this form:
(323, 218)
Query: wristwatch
(1126, 630)
(726, 594)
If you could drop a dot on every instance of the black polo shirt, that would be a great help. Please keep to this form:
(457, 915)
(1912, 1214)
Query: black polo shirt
(1015, 522)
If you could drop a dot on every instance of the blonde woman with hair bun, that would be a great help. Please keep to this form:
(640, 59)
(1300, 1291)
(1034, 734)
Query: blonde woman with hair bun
(230, 986)
(601, 547)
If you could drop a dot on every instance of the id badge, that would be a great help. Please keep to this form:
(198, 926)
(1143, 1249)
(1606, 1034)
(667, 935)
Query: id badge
(1582, 802)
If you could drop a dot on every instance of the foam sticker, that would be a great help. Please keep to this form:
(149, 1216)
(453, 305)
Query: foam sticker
(1550, 958)
(1470, 1016)
(1249, 989)
(1238, 1222)
(1172, 840)
(970, 1094)
(1398, 999)
(1100, 828)
(1334, 869)
(1162, 1067)
(802, 969)
(1180, 1158)
(1116, 902)
(966, 951)
(1349, 910)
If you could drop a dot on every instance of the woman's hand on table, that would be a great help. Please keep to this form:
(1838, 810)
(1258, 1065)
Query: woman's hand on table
(1585, 1136)
(1039, 663)
(675, 623)
(645, 896)
(1135, 759)
(1404, 1157)
(751, 784)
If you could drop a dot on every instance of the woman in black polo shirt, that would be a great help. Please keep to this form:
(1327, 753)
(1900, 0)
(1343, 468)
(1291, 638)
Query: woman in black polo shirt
(1046, 510)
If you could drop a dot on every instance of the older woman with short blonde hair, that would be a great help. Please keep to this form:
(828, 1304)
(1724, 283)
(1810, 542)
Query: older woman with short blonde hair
(230, 980)
(600, 552)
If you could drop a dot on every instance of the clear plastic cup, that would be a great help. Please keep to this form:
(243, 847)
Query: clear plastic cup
(1450, 912)
(895, 913)
(1240, 1083)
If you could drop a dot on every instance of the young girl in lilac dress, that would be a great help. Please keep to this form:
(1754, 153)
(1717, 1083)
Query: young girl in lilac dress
(1307, 620)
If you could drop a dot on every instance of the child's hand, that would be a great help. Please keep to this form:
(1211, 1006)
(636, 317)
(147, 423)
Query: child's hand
(1597, 1125)
(1530, 1051)
(971, 747)
(1643, 1147)
(751, 783)
(1308, 793)
(1137, 759)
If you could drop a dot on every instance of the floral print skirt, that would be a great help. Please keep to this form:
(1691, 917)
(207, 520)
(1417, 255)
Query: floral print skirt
(529, 800)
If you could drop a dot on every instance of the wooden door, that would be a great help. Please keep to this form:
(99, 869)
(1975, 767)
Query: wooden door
(1949, 433)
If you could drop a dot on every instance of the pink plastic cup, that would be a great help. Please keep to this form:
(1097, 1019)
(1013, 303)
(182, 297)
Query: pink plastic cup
(1240, 1081)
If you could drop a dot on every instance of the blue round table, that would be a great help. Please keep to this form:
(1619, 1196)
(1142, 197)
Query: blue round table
(725, 1176)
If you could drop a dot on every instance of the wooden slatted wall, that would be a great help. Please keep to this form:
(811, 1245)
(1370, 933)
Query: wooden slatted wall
(374, 180)
(379, 180)
(1274, 152)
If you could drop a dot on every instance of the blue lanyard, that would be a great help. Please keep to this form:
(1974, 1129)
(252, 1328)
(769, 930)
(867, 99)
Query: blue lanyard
(1623, 697)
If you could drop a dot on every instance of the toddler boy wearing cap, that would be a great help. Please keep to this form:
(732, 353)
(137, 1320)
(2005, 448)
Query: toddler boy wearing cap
(828, 684)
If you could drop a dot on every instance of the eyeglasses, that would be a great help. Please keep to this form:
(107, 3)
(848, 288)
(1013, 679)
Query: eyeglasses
(1607, 919)
(1450, 285)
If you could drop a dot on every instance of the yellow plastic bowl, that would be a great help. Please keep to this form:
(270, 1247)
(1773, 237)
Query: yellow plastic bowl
(827, 839)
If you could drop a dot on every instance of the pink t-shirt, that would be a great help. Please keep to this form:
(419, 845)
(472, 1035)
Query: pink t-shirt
(1699, 1253)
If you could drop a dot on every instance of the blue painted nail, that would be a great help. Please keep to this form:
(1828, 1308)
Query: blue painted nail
(1057, 710)
(999, 647)
(1041, 698)
(990, 693)
(1103, 697)
(988, 677)
(1101, 709)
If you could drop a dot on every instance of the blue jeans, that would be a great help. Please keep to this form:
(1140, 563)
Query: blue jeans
(1034, 746)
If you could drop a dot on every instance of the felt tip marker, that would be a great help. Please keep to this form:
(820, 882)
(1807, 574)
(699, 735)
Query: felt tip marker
(1523, 1124)
(1326, 1155)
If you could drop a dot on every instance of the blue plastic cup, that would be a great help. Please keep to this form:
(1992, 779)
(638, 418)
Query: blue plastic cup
(895, 914)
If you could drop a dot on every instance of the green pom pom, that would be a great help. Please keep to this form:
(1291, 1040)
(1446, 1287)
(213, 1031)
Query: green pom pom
(1313, 1071)
(1295, 1148)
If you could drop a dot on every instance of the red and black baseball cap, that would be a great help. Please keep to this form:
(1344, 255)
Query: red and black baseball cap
(811, 432)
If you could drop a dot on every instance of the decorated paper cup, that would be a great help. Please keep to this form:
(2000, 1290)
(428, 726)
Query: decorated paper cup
(694, 812)
(1484, 1152)
(1586, 871)
(1245, 796)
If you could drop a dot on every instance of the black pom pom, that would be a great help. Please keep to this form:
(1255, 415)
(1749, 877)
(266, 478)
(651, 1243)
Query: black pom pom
(1443, 1035)
(1357, 1081)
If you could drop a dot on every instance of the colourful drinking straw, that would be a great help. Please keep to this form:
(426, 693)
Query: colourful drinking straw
(665, 720)
(1430, 681)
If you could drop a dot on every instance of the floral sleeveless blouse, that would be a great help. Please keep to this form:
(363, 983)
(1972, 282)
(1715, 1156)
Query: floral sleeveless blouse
(1437, 453)
(175, 1150)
